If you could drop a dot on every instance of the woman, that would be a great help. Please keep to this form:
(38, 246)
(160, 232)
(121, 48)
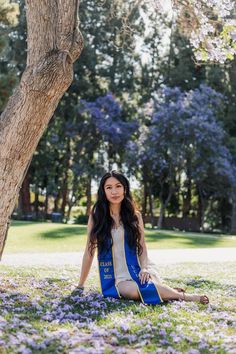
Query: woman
(116, 229)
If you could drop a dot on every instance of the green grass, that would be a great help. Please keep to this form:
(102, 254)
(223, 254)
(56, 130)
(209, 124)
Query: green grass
(45, 237)
(178, 239)
(42, 311)
(52, 237)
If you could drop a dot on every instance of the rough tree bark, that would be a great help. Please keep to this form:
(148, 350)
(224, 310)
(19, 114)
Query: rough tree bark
(54, 43)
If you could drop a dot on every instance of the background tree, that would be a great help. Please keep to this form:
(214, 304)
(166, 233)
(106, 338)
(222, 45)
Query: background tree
(182, 148)
(53, 45)
(8, 19)
(175, 66)
(50, 54)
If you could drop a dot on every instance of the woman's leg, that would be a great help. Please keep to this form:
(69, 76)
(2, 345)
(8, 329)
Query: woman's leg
(168, 293)
(129, 290)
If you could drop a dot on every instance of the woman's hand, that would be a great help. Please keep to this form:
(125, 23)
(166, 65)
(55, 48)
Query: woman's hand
(79, 290)
(144, 275)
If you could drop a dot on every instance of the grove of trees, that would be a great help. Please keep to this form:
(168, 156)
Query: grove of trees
(142, 100)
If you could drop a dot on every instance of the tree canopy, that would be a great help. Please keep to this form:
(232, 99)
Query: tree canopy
(153, 94)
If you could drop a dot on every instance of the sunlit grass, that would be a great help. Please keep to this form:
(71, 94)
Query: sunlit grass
(41, 311)
(52, 237)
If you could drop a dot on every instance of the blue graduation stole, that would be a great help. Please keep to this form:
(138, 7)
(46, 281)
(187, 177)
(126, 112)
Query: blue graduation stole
(148, 292)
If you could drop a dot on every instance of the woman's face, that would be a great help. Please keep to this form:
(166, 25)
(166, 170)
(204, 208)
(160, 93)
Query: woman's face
(114, 190)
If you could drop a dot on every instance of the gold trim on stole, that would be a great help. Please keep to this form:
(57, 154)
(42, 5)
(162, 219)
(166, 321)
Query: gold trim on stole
(114, 267)
(123, 237)
(113, 270)
(99, 275)
(99, 271)
(151, 277)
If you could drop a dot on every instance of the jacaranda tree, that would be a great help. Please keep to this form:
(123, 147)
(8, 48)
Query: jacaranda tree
(53, 45)
(110, 127)
(183, 143)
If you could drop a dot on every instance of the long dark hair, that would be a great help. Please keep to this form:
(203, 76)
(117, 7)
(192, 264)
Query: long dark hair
(103, 222)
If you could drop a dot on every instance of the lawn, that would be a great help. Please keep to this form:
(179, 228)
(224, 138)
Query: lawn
(52, 237)
(43, 312)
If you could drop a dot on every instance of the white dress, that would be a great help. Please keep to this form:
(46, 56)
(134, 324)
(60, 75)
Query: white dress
(120, 266)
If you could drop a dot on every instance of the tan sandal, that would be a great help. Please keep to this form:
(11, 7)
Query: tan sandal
(204, 300)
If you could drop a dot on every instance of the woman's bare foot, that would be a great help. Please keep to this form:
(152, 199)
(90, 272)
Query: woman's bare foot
(203, 299)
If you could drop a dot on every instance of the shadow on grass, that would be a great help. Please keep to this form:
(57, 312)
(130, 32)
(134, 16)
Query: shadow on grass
(185, 240)
(87, 311)
(16, 223)
(78, 307)
(64, 232)
(60, 231)
(203, 284)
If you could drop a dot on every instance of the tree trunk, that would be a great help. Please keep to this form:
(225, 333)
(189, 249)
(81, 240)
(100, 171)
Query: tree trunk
(233, 215)
(46, 204)
(25, 196)
(64, 195)
(144, 201)
(56, 202)
(201, 209)
(64, 190)
(187, 197)
(36, 202)
(151, 207)
(70, 205)
(54, 43)
(88, 196)
(163, 206)
(19, 208)
(161, 216)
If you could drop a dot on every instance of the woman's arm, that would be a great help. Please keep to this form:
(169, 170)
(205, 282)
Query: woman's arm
(87, 258)
(143, 274)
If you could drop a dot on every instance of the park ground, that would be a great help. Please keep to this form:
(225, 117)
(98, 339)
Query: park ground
(42, 311)
(34, 237)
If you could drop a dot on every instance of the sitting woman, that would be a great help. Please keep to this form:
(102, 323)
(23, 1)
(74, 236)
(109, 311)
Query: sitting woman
(116, 229)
